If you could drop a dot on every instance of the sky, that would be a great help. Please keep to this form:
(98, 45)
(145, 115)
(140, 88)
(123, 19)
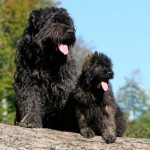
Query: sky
(121, 30)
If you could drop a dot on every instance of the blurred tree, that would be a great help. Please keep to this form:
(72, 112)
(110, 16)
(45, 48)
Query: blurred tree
(132, 98)
(140, 127)
(80, 50)
(14, 15)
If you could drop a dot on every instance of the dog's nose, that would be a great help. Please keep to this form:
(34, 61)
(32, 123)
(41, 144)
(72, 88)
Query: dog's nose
(71, 31)
(110, 73)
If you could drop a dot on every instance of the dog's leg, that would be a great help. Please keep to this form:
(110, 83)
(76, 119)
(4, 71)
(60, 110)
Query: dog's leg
(28, 108)
(85, 131)
(108, 127)
(120, 122)
(108, 121)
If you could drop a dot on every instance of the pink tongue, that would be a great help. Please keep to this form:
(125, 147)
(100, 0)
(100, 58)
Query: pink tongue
(63, 48)
(104, 85)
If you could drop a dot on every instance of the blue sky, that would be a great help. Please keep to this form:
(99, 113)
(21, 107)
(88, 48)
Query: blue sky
(120, 29)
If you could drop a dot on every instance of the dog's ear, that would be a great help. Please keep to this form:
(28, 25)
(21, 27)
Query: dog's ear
(33, 22)
(87, 62)
(95, 53)
(95, 56)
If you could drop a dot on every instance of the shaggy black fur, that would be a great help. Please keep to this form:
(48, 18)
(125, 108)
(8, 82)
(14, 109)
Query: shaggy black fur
(44, 75)
(92, 102)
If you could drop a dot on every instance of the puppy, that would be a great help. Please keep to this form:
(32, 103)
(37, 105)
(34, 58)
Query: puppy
(92, 108)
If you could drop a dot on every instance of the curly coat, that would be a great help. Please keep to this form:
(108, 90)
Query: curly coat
(92, 108)
(45, 75)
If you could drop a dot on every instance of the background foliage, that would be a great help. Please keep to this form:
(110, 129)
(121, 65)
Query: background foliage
(13, 17)
(134, 100)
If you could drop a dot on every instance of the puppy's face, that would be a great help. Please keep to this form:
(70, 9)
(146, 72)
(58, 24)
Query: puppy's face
(52, 29)
(98, 71)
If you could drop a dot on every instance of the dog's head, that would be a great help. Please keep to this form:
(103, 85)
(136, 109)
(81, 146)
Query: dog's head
(97, 71)
(52, 29)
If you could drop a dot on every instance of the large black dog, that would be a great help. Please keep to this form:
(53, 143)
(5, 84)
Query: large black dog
(45, 69)
(92, 108)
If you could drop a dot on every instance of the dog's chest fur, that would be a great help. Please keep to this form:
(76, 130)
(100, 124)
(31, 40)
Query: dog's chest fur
(92, 105)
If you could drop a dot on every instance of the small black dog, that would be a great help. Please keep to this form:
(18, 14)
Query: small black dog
(92, 102)
(45, 69)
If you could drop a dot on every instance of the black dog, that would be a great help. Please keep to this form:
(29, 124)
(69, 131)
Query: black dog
(45, 69)
(92, 102)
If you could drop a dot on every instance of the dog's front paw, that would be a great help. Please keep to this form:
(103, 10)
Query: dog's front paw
(87, 132)
(30, 125)
(30, 122)
(109, 138)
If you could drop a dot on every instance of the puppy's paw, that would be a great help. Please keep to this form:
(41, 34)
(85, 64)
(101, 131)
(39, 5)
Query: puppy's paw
(109, 138)
(87, 132)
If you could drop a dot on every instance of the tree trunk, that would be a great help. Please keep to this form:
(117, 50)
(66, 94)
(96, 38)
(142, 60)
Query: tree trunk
(17, 138)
